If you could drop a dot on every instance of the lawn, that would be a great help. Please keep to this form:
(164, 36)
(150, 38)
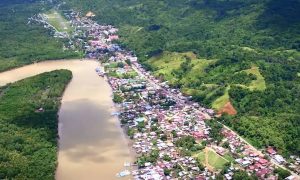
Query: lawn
(58, 21)
(216, 161)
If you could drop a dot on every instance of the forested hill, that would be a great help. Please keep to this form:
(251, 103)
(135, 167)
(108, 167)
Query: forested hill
(243, 53)
(22, 43)
(211, 28)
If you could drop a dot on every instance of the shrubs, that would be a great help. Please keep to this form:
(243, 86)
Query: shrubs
(152, 157)
(117, 98)
(282, 173)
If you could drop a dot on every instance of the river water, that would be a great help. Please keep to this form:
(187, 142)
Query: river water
(92, 144)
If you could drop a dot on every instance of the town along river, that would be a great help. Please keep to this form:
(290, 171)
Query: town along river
(91, 144)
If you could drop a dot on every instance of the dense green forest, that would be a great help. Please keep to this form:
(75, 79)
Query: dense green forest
(28, 126)
(245, 52)
(22, 43)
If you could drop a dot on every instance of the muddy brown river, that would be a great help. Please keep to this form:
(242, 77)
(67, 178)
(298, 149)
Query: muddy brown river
(92, 145)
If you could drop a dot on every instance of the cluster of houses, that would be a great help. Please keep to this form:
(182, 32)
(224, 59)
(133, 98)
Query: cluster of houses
(250, 159)
(94, 39)
(293, 163)
(156, 120)
(156, 116)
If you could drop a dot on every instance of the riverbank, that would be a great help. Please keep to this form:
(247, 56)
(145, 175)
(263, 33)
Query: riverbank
(29, 125)
(91, 144)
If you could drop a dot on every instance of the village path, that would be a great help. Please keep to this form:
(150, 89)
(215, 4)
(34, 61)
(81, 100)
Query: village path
(206, 150)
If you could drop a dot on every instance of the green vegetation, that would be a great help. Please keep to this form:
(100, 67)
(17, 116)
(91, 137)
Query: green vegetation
(23, 43)
(242, 175)
(187, 145)
(229, 158)
(178, 68)
(251, 46)
(222, 100)
(28, 126)
(117, 98)
(151, 157)
(215, 132)
(214, 160)
(186, 142)
(128, 75)
(259, 83)
(282, 173)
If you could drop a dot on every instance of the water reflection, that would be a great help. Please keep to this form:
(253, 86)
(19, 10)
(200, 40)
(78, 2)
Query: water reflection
(91, 144)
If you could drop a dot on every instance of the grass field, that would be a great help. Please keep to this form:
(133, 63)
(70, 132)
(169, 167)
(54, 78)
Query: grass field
(214, 160)
(259, 83)
(221, 101)
(58, 21)
(165, 63)
(229, 158)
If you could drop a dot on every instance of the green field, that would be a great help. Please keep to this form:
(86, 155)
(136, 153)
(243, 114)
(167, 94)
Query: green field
(229, 158)
(28, 144)
(221, 101)
(58, 21)
(258, 84)
(214, 160)
(167, 63)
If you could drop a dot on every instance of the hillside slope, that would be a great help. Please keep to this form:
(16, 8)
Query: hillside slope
(252, 46)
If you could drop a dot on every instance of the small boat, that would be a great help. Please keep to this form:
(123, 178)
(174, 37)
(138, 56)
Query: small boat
(115, 114)
(123, 173)
(100, 74)
(127, 164)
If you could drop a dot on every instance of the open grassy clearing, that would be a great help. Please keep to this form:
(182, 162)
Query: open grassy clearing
(167, 62)
(221, 101)
(229, 158)
(213, 159)
(259, 83)
(58, 21)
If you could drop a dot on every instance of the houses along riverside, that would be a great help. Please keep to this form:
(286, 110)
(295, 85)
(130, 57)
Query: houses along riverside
(168, 131)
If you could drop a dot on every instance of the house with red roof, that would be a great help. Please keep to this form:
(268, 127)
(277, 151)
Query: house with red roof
(271, 151)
